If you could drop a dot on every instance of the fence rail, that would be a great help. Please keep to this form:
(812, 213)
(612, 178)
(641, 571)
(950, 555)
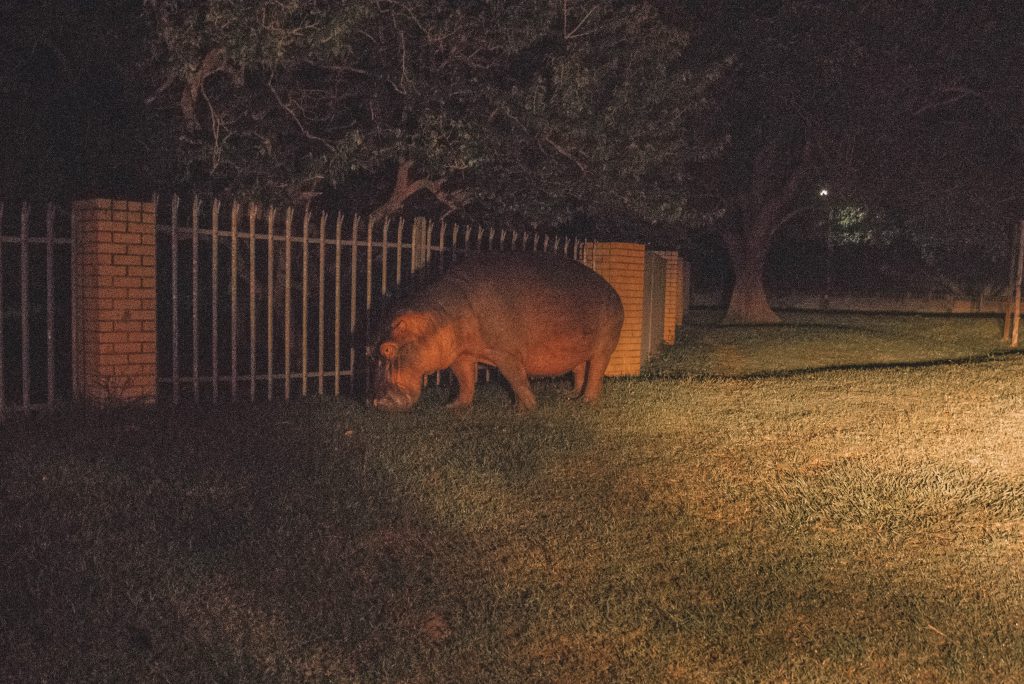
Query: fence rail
(268, 302)
(35, 307)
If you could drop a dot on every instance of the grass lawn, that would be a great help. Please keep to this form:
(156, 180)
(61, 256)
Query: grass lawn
(732, 519)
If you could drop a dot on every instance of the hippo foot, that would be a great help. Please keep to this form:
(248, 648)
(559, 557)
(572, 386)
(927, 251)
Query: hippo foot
(457, 405)
(526, 406)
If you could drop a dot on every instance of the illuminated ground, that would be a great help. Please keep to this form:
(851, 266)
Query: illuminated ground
(855, 524)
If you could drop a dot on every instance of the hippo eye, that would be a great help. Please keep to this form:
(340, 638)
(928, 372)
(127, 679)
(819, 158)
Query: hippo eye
(388, 350)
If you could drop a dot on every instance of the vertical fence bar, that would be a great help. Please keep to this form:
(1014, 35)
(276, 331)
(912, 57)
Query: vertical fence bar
(1015, 333)
(352, 306)
(214, 239)
(235, 208)
(175, 320)
(50, 365)
(305, 301)
(384, 258)
(253, 212)
(26, 378)
(271, 215)
(195, 298)
(428, 243)
(398, 257)
(369, 265)
(337, 304)
(320, 309)
(3, 396)
(369, 274)
(440, 245)
(289, 218)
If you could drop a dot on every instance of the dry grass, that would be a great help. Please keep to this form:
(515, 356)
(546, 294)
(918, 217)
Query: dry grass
(842, 525)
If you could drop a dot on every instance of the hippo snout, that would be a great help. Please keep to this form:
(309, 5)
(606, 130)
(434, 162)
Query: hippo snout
(392, 401)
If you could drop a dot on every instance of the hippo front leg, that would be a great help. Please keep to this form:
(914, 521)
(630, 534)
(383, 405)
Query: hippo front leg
(464, 369)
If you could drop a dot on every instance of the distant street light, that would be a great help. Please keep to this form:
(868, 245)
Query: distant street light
(828, 249)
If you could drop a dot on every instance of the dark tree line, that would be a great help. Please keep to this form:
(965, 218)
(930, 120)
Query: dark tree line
(649, 121)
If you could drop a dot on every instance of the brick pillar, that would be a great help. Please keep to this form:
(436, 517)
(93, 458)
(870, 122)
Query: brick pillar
(115, 300)
(673, 295)
(622, 265)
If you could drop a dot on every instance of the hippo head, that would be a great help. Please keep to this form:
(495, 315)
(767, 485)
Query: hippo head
(409, 350)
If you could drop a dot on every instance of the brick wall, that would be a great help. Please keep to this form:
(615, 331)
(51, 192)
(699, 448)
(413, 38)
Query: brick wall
(622, 265)
(115, 299)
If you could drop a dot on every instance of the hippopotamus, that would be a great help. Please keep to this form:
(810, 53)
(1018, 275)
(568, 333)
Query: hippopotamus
(526, 314)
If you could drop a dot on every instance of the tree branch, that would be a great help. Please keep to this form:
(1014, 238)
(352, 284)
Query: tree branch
(213, 62)
(404, 189)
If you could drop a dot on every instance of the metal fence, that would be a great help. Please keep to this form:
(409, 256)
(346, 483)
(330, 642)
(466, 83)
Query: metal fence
(35, 307)
(262, 302)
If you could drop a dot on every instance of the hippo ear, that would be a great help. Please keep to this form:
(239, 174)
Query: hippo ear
(412, 324)
(388, 350)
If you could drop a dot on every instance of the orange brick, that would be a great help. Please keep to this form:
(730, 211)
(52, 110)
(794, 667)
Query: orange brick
(126, 259)
(127, 238)
(119, 347)
(108, 270)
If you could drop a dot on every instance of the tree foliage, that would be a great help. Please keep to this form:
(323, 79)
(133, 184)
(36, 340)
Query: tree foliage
(536, 109)
(910, 110)
(74, 118)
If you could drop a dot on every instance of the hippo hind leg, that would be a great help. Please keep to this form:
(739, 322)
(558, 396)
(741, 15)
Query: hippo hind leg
(596, 367)
(515, 373)
(579, 377)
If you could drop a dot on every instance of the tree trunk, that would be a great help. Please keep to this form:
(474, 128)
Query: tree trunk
(748, 254)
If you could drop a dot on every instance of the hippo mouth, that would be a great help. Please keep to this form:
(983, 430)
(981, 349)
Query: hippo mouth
(394, 399)
(391, 403)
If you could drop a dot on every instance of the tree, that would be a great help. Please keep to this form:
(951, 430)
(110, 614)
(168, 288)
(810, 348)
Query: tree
(74, 119)
(534, 109)
(912, 109)
(775, 105)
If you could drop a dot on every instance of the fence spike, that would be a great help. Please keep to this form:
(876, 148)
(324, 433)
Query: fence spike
(195, 298)
(288, 219)
(254, 211)
(50, 365)
(235, 210)
(26, 377)
(337, 303)
(305, 301)
(320, 308)
(2, 389)
(214, 295)
(271, 217)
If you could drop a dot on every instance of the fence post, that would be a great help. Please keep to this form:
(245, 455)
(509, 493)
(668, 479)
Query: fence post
(674, 288)
(114, 275)
(418, 238)
(622, 265)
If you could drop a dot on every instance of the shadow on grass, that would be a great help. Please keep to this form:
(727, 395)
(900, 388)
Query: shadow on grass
(990, 357)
